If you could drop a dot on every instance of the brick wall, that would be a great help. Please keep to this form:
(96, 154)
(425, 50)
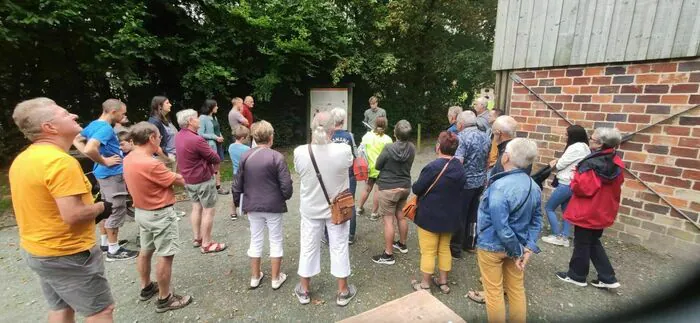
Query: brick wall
(629, 97)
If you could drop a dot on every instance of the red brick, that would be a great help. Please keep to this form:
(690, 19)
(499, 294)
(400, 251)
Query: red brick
(543, 113)
(595, 116)
(685, 88)
(656, 208)
(648, 99)
(638, 69)
(673, 78)
(652, 88)
(582, 98)
(563, 81)
(570, 89)
(684, 152)
(634, 108)
(689, 66)
(647, 168)
(582, 80)
(575, 116)
(572, 106)
(675, 99)
(526, 75)
(557, 73)
(615, 70)
(611, 108)
(563, 98)
(664, 67)
(601, 80)
(613, 89)
(694, 99)
(647, 79)
(602, 98)
(668, 171)
(522, 105)
(694, 77)
(656, 149)
(676, 182)
(630, 146)
(636, 157)
(530, 82)
(661, 160)
(576, 72)
(651, 178)
(590, 107)
(677, 131)
(689, 142)
(639, 118)
(616, 117)
(624, 99)
(538, 89)
(520, 90)
(626, 127)
(593, 71)
(691, 174)
(688, 163)
(541, 74)
(631, 89)
(658, 109)
(664, 140)
(623, 79)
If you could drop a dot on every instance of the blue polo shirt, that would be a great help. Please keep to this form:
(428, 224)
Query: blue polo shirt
(103, 132)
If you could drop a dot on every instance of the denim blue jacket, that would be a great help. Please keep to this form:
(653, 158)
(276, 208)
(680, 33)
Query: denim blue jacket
(499, 228)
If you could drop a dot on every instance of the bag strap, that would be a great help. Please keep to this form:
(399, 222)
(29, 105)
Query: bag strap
(524, 201)
(243, 162)
(438, 177)
(318, 174)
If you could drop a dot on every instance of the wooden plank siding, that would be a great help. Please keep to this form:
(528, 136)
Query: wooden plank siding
(546, 33)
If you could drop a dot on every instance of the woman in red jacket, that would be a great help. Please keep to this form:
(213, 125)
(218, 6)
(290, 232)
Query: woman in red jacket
(596, 189)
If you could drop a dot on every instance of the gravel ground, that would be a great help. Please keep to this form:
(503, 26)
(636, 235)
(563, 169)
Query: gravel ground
(219, 282)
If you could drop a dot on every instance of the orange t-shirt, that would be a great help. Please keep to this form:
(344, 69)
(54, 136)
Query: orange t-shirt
(38, 176)
(149, 181)
(493, 153)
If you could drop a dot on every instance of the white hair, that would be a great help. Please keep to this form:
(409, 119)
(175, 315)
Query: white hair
(608, 137)
(338, 115)
(454, 111)
(522, 152)
(321, 128)
(466, 118)
(507, 125)
(184, 116)
(30, 114)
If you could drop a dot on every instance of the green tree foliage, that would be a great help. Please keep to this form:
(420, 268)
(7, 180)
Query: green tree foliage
(420, 56)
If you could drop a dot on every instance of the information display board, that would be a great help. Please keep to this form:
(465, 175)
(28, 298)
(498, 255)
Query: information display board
(326, 99)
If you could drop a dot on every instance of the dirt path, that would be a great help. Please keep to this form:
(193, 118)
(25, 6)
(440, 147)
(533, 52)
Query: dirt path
(219, 282)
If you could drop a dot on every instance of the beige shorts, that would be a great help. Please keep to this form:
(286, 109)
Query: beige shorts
(391, 201)
(204, 193)
(159, 231)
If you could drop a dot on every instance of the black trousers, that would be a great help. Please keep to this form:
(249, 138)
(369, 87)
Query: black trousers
(587, 249)
(464, 238)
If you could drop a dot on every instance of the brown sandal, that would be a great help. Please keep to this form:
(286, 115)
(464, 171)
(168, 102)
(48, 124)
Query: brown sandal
(196, 243)
(213, 247)
(443, 287)
(476, 296)
(416, 285)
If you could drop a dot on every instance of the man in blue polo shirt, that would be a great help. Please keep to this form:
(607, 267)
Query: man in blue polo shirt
(99, 143)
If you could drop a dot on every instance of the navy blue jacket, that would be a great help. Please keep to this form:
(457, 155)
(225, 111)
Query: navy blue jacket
(439, 211)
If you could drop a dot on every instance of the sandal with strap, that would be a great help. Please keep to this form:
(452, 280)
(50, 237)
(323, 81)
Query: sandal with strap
(213, 247)
(476, 296)
(443, 287)
(196, 243)
(416, 285)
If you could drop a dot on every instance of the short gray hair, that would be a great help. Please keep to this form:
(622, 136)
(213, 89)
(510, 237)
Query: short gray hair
(466, 118)
(141, 132)
(454, 111)
(402, 130)
(507, 125)
(184, 116)
(481, 101)
(522, 152)
(30, 114)
(608, 137)
(321, 128)
(339, 115)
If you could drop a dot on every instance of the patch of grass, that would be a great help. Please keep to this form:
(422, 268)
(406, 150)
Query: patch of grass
(226, 170)
(5, 198)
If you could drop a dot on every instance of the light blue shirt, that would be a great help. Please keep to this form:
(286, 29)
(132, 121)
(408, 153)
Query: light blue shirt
(236, 151)
(103, 132)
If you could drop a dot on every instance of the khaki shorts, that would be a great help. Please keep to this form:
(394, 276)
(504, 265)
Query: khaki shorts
(392, 200)
(205, 193)
(159, 231)
(113, 190)
(77, 281)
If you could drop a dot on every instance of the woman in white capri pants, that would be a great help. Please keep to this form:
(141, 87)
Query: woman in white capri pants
(333, 160)
(265, 183)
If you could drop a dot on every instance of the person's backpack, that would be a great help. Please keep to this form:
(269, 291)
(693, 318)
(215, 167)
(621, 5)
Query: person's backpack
(541, 175)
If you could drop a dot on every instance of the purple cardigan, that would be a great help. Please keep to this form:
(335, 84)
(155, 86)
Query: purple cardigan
(264, 181)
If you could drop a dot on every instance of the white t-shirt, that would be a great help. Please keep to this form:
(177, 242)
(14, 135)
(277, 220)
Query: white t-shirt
(569, 160)
(333, 161)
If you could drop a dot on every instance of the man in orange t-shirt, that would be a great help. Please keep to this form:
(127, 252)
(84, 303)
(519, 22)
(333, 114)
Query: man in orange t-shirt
(56, 215)
(150, 184)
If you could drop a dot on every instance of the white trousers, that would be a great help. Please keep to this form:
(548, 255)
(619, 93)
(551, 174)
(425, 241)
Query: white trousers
(258, 221)
(310, 247)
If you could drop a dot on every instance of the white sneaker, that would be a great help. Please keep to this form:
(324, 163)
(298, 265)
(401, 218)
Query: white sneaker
(255, 282)
(276, 284)
(556, 240)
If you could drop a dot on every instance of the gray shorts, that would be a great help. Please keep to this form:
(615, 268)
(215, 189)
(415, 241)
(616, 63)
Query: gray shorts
(204, 193)
(77, 281)
(159, 231)
(113, 190)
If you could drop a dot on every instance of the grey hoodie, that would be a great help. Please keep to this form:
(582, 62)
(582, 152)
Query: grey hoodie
(394, 165)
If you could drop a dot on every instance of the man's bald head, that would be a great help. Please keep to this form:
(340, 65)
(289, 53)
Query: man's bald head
(249, 101)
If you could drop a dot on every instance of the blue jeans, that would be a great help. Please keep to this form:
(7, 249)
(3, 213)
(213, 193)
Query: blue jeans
(560, 196)
(353, 221)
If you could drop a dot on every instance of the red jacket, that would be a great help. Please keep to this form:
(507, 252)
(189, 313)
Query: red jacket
(596, 188)
(247, 114)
